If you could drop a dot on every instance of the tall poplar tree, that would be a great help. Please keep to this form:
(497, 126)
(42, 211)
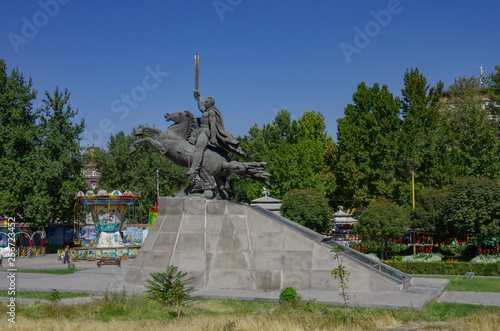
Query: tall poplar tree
(424, 136)
(367, 147)
(475, 142)
(58, 161)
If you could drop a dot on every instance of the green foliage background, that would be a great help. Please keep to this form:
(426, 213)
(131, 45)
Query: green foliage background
(473, 207)
(442, 136)
(40, 156)
(308, 207)
(297, 153)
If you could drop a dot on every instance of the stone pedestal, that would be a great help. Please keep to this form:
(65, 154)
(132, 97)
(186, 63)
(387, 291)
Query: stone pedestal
(230, 246)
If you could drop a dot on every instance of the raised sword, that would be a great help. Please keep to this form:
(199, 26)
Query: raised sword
(196, 71)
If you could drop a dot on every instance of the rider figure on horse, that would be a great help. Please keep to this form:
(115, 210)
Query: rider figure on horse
(211, 130)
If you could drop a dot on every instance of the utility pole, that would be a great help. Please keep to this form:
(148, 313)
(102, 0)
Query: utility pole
(413, 208)
(157, 184)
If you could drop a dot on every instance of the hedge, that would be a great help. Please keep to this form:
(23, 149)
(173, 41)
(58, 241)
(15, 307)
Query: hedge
(446, 268)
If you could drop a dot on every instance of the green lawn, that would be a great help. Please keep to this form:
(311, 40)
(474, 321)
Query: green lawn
(462, 284)
(46, 271)
(42, 295)
(444, 311)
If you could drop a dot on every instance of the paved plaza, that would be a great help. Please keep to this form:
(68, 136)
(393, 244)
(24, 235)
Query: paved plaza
(93, 280)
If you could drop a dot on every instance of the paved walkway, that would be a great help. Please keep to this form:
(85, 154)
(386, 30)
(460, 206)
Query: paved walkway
(93, 280)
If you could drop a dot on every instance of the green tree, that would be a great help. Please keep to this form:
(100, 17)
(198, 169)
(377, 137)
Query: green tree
(424, 135)
(367, 149)
(308, 207)
(40, 156)
(137, 172)
(475, 144)
(296, 151)
(473, 207)
(58, 160)
(428, 215)
(382, 220)
(18, 142)
(493, 91)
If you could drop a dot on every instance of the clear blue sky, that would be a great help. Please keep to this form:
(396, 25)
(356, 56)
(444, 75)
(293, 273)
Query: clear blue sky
(256, 57)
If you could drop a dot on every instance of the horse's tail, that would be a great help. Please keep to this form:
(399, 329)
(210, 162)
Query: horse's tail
(254, 170)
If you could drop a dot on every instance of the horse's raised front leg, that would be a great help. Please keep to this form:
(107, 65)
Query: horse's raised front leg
(154, 143)
(143, 129)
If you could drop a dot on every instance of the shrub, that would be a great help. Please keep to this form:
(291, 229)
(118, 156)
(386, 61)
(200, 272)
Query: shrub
(55, 296)
(170, 287)
(289, 295)
(446, 268)
(373, 247)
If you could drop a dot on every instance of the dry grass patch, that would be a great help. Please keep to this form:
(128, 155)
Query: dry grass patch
(482, 321)
(119, 312)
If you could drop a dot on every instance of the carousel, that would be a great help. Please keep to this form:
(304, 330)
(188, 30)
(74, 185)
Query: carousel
(28, 242)
(106, 226)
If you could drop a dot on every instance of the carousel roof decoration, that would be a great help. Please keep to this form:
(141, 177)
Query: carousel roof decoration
(103, 197)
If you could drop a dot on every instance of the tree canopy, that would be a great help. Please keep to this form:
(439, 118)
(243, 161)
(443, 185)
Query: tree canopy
(367, 148)
(40, 156)
(440, 136)
(59, 161)
(17, 136)
(473, 207)
(428, 213)
(474, 143)
(308, 207)
(297, 153)
(422, 141)
(382, 220)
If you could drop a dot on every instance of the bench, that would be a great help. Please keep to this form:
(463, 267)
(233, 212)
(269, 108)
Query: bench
(113, 260)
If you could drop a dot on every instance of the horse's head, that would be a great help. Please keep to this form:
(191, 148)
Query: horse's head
(184, 122)
(178, 116)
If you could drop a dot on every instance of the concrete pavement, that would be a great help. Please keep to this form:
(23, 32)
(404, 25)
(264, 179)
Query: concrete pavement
(93, 280)
(473, 298)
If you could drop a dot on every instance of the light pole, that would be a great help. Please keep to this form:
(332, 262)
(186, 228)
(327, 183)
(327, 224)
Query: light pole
(157, 184)
(413, 208)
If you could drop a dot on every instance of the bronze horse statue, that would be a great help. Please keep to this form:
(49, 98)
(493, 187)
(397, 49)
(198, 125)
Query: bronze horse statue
(216, 165)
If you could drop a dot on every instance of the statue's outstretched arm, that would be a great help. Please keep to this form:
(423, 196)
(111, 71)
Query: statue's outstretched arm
(201, 104)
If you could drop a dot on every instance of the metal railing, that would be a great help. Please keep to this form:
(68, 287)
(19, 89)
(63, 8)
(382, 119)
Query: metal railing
(366, 260)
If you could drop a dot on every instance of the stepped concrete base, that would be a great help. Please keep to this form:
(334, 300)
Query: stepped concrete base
(231, 246)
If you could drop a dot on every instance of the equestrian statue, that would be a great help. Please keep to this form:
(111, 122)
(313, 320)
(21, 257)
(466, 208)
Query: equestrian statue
(202, 144)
